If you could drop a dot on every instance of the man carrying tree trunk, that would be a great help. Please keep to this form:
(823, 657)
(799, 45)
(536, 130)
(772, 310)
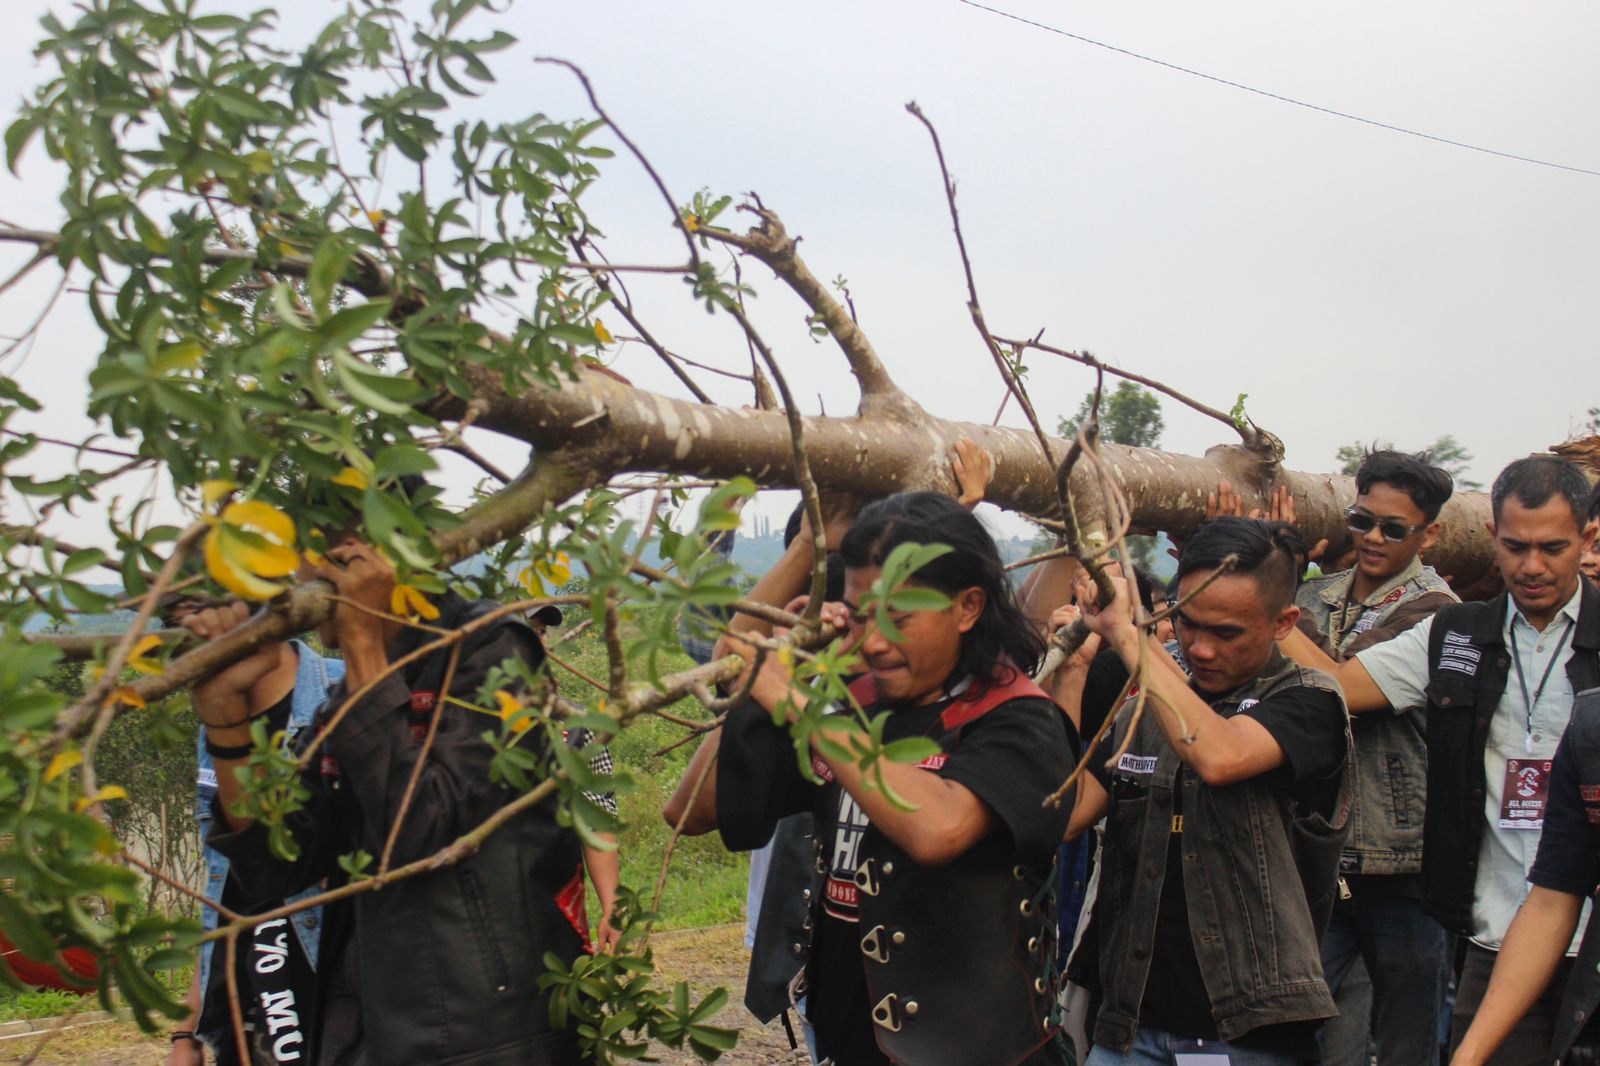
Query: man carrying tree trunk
(441, 967)
(1378, 918)
(1225, 813)
(1497, 681)
(931, 932)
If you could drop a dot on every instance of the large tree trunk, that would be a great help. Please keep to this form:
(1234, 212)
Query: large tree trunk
(620, 428)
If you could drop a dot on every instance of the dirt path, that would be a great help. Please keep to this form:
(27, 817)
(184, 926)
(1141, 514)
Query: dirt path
(705, 958)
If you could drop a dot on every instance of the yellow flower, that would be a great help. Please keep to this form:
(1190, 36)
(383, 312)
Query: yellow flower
(138, 658)
(409, 603)
(61, 763)
(128, 696)
(513, 712)
(350, 477)
(249, 545)
(105, 795)
(212, 492)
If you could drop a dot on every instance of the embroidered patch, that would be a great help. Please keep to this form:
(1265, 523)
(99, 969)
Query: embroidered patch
(1458, 654)
(1246, 704)
(1590, 793)
(207, 778)
(1137, 764)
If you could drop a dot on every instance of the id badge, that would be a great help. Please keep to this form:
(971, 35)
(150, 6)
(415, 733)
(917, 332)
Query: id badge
(1527, 787)
(1199, 1053)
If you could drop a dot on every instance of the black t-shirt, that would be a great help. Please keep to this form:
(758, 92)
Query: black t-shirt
(1308, 724)
(1011, 758)
(276, 981)
(1101, 686)
(1569, 844)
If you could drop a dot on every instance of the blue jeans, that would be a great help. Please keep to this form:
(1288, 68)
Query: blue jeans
(1152, 1047)
(1408, 957)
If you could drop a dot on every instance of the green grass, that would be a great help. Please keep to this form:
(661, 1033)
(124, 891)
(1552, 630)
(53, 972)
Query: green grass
(35, 1003)
(705, 883)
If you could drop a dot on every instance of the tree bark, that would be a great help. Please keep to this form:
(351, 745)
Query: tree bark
(636, 430)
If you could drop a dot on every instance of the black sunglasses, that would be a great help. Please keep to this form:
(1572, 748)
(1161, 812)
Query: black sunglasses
(1361, 523)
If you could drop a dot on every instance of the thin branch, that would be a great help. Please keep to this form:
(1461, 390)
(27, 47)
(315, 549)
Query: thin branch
(624, 308)
(1253, 436)
(661, 186)
(75, 446)
(96, 698)
(200, 897)
(623, 268)
(771, 244)
(422, 759)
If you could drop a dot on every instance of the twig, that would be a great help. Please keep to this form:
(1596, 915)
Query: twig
(235, 1011)
(771, 244)
(96, 697)
(677, 831)
(1251, 434)
(69, 444)
(199, 897)
(422, 759)
(625, 309)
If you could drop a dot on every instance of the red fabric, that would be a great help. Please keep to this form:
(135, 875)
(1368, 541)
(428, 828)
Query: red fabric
(573, 904)
(78, 962)
(965, 708)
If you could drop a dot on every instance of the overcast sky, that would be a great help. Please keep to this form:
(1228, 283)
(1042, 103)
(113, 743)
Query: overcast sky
(1354, 281)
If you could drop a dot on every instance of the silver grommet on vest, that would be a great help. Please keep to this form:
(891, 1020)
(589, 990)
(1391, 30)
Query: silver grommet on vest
(1026, 908)
(888, 869)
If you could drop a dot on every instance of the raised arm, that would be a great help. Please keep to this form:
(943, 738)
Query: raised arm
(1221, 750)
(1361, 692)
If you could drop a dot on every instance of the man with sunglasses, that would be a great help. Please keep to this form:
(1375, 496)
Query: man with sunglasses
(1496, 680)
(1379, 917)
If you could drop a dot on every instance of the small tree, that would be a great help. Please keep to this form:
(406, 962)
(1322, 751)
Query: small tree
(1447, 453)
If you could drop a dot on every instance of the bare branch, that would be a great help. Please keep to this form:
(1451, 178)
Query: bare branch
(771, 244)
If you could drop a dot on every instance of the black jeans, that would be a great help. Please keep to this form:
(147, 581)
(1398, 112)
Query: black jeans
(1529, 1042)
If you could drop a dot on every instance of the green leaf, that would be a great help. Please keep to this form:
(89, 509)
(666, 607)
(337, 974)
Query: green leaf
(347, 326)
(387, 395)
(918, 598)
(18, 134)
(399, 460)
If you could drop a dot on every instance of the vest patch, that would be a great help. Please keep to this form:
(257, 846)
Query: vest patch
(1370, 618)
(1458, 654)
(1137, 764)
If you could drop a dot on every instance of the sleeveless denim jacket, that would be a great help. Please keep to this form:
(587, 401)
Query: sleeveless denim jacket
(1389, 771)
(1264, 880)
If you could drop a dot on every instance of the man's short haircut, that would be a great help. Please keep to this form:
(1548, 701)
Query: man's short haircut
(1593, 512)
(1428, 486)
(1538, 479)
(1266, 551)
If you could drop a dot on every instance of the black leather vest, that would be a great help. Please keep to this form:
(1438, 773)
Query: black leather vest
(1460, 705)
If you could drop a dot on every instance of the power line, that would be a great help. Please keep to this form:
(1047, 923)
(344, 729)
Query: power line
(1278, 96)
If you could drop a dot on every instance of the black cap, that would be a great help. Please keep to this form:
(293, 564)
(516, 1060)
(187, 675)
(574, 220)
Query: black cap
(549, 614)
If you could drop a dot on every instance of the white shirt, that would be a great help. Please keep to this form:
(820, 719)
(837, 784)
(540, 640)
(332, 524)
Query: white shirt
(1399, 668)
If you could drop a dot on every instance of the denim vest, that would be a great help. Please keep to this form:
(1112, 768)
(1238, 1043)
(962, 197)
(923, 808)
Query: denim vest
(1460, 705)
(1582, 994)
(1389, 772)
(1260, 881)
(312, 680)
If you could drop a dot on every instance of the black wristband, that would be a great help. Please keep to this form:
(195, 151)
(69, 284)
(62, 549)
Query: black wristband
(183, 1034)
(236, 751)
